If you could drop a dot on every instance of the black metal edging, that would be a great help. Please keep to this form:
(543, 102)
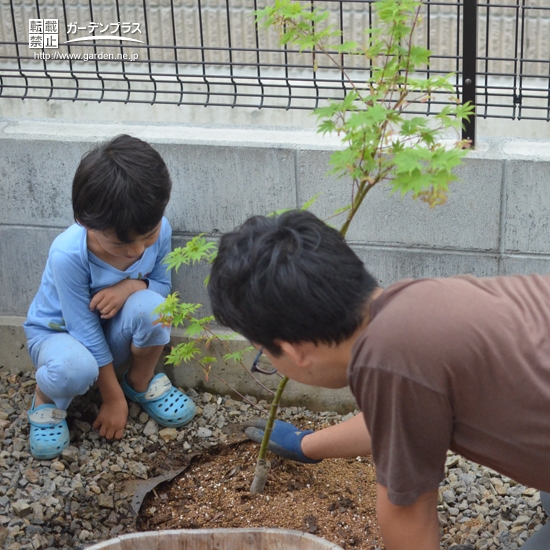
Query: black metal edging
(469, 65)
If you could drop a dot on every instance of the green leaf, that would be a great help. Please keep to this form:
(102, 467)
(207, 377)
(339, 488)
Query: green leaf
(341, 210)
(326, 127)
(226, 337)
(418, 56)
(347, 47)
(196, 250)
(235, 356)
(311, 201)
(410, 160)
(183, 352)
(194, 329)
(373, 116)
(465, 112)
(413, 126)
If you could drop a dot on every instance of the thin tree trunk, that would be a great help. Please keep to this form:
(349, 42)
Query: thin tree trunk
(262, 465)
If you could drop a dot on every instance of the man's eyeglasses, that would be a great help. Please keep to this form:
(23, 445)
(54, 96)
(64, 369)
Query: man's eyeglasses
(262, 368)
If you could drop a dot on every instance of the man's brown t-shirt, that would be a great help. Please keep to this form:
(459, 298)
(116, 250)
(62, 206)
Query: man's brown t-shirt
(461, 363)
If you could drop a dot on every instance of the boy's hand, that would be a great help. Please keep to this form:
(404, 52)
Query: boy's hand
(110, 300)
(111, 420)
(113, 413)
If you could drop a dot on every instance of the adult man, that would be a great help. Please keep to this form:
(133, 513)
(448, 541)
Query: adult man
(435, 364)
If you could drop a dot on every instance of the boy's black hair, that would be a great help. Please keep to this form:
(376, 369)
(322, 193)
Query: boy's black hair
(123, 186)
(290, 277)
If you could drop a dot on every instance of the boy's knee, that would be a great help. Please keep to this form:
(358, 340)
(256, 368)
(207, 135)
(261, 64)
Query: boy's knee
(140, 307)
(67, 376)
(136, 323)
(144, 303)
(147, 331)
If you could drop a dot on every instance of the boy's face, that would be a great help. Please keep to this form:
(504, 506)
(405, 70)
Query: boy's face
(110, 244)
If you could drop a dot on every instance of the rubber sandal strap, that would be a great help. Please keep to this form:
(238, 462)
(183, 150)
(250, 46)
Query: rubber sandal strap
(160, 385)
(46, 414)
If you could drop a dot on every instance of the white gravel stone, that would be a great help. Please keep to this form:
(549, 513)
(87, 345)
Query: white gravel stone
(209, 410)
(151, 428)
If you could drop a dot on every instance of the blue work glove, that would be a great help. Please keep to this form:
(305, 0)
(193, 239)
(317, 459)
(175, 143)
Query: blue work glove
(285, 440)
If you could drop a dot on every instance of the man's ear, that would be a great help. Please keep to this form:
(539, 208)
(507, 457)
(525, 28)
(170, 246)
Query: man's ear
(297, 352)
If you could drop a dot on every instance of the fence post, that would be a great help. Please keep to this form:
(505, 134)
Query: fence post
(469, 65)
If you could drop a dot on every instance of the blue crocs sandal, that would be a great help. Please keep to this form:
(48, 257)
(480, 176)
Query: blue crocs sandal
(166, 404)
(49, 433)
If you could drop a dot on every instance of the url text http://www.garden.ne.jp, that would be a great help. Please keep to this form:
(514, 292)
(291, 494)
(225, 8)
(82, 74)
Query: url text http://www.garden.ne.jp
(99, 56)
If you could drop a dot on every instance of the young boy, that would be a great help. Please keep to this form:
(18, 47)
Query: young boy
(94, 309)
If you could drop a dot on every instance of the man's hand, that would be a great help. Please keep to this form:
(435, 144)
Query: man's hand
(285, 440)
(110, 300)
(111, 420)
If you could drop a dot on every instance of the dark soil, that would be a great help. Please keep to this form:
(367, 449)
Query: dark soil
(334, 500)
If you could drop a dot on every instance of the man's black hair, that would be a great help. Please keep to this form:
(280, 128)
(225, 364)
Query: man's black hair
(291, 278)
(122, 186)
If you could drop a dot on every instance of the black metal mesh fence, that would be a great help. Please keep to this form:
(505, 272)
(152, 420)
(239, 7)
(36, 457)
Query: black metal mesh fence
(209, 52)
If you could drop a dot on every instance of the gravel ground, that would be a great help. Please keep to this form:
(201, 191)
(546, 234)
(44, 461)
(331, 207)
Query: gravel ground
(81, 498)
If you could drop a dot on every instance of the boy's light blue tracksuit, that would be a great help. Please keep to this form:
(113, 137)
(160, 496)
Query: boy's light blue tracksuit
(68, 342)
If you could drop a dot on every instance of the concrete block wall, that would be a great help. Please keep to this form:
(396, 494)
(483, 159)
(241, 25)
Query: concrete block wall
(495, 221)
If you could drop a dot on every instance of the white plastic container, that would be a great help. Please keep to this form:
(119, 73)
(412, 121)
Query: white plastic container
(217, 539)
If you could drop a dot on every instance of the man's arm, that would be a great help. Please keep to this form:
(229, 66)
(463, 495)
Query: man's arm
(347, 439)
(414, 527)
(344, 440)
